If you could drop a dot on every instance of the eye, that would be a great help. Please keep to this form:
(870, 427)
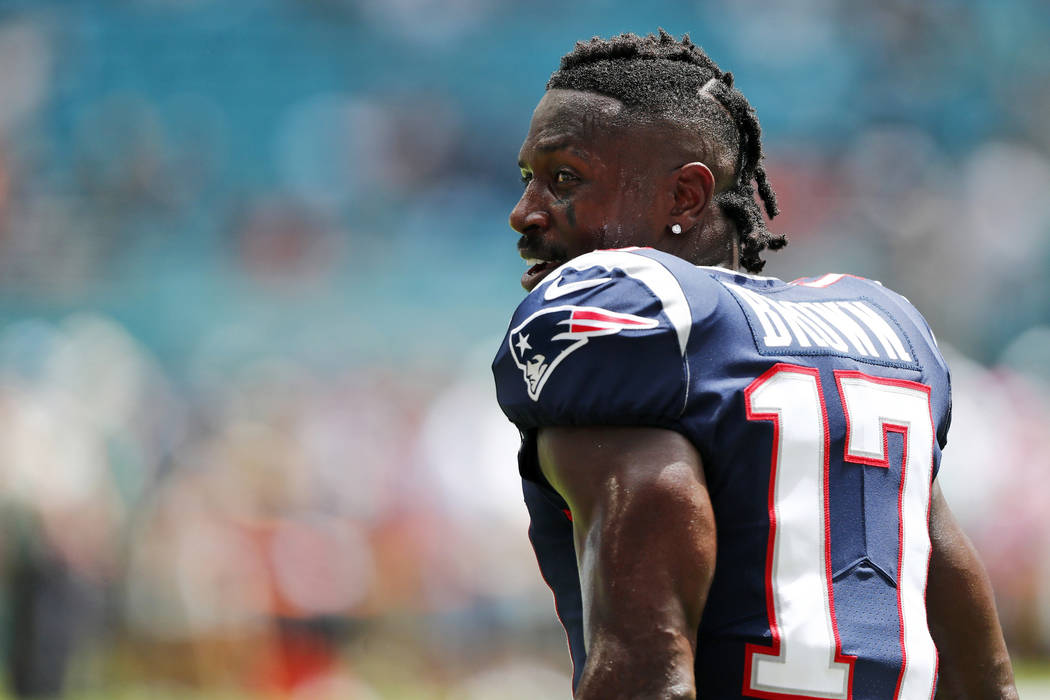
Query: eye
(563, 177)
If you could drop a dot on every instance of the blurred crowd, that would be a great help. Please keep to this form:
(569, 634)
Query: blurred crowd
(254, 262)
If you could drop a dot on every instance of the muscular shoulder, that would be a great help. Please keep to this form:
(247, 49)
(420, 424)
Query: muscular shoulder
(601, 341)
(633, 280)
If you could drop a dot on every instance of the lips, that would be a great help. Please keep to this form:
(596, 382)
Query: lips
(536, 264)
(540, 259)
(538, 269)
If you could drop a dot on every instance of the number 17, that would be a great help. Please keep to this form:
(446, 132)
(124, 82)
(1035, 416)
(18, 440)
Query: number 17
(806, 659)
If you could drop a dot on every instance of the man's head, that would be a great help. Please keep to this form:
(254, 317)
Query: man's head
(635, 135)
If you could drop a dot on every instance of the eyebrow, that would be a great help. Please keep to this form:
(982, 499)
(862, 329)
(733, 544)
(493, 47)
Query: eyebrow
(558, 144)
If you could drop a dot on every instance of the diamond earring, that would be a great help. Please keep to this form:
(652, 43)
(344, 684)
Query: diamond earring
(676, 229)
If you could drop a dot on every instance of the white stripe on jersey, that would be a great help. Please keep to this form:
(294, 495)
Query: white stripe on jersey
(649, 272)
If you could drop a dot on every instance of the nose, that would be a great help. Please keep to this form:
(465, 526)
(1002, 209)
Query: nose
(528, 215)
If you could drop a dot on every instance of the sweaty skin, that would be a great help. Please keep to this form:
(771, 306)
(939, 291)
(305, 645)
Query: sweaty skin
(960, 606)
(644, 532)
(645, 539)
(594, 179)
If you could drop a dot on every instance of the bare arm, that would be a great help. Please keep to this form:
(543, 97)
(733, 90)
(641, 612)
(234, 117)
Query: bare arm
(961, 609)
(645, 543)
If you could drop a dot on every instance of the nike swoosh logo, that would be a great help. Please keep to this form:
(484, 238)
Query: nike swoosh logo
(556, 289)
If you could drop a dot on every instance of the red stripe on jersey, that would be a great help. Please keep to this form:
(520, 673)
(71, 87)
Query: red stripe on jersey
(598, 316)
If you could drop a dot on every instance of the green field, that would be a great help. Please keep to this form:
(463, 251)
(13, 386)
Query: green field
(1033, 683)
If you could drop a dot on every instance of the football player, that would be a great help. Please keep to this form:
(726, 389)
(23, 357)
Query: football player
(732, 480)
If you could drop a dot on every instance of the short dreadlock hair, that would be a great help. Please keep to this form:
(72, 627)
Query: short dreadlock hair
(658, 77)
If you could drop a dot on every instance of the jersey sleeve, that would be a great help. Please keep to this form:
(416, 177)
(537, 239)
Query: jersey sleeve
(942, 402)
(936, 371)
(600, 342)
(934, 368)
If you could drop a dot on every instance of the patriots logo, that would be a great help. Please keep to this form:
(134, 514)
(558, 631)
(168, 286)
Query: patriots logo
(537, 353)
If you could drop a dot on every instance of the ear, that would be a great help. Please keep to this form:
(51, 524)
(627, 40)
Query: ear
(694, 188)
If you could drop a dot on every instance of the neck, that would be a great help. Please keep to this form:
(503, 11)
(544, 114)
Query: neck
(714, 243)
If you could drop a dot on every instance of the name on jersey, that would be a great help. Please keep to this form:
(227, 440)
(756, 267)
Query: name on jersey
(854, 328)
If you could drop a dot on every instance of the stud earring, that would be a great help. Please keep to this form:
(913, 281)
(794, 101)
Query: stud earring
(676, 229)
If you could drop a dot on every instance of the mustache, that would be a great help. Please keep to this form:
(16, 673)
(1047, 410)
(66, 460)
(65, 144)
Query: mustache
(534, 249)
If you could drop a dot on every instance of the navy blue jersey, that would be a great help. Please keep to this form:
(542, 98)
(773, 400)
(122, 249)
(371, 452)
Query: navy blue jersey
(819, 408)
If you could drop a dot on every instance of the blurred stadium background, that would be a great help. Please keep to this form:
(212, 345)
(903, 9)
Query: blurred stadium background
(254, 262)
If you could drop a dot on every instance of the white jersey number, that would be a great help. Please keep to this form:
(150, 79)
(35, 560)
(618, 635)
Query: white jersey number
(806, 659)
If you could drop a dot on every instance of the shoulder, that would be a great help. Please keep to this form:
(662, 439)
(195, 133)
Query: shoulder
(636, 276)
(894, 303)
(836, 314)
(601, 340)
(839, 283)
(641, 281)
